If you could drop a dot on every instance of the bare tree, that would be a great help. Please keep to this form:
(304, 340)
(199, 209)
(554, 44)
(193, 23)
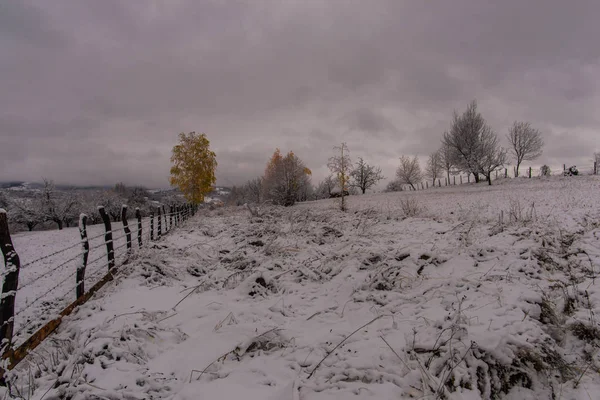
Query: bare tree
(526, 143)
(26, 211)
(492, 156)
(473, 144)
(434, 167)
(409, 171)
(254, 189)
(365, 176)
(325, 188)
(57, 207)
(447, 159)
(341, 165)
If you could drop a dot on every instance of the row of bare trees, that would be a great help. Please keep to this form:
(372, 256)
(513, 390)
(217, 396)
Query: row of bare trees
(50, 205)
(471, 146)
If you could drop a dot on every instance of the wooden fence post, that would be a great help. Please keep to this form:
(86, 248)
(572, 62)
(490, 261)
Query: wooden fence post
(564, 168)
(192, 209)
(447, 183)
(496, 174)
(152, 225)
(461, 179)
(159, 224)
(439, 182)
(171, 216)
(427, 184)
(110, 252)
(138, 215)
(595, 167)
(469, 178)
(165, 217)
(126, 226)
(506, 172)
(11, 283)
(529, 172)
(80, 279)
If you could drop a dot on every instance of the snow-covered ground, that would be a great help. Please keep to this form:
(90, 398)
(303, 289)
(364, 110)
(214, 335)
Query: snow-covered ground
(469, 292)
(49, 261)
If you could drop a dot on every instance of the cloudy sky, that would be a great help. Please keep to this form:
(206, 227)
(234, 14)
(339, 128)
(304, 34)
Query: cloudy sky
(95, 92)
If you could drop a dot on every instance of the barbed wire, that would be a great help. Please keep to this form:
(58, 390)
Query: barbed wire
(50, 255)
(42, 296)
(49, 272)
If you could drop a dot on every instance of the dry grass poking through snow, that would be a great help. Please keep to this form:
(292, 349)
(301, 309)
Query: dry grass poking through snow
(406, 295)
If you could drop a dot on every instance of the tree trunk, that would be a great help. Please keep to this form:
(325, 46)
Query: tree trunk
(489, 179)
(476, 177)
(517, 169)
(363, 190)
(412, 186)
(60, 224)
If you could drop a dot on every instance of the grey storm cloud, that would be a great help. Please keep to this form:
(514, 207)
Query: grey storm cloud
(97, 91)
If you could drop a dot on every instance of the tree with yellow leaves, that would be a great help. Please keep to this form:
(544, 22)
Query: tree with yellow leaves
(194, 164)
(286, 178)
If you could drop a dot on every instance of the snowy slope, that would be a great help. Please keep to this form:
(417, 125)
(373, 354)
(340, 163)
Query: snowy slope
(312, 303)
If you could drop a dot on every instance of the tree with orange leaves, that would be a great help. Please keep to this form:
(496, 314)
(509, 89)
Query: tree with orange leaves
(286, 178)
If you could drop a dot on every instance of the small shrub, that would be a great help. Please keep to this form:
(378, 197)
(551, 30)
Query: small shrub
(545, 171)
(411, 207)
(585, 332)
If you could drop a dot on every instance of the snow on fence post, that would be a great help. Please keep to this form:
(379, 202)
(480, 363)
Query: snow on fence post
(126, 226)
(11, 282)
(110, 252)
(138, 215)
(80, 278)
(159, 224)
(152, 225)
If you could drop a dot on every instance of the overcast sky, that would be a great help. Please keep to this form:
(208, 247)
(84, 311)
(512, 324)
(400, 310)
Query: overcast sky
(95, 92)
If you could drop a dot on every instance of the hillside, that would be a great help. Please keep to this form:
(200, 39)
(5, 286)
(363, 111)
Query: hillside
(467, 292)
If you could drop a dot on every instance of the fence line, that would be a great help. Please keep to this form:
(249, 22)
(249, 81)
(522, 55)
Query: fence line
(500, 173)
(14, 354)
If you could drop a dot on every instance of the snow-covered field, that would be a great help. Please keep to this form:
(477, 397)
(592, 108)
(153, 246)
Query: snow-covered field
(469, 292)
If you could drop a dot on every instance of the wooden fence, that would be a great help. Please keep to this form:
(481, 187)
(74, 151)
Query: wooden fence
(14, 354)
(501, 173)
